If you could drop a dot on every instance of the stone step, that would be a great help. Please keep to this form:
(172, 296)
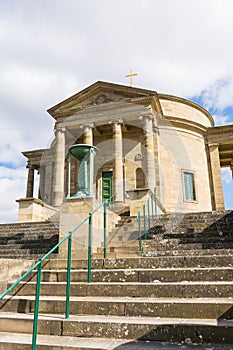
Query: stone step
(121, 328)
(16, 253)
(125, 306)
(27, 245)
(119, 243)
(191, 246)
(164, 261)
(47, 231)
(21, 255)
(191, 239)
(150, 246)
(184, 289)
(17, 341)
(122, 236)
(142, 275)
(122, 241)
(124, 248)
(118, 255)
(168, 245)
(199, 235)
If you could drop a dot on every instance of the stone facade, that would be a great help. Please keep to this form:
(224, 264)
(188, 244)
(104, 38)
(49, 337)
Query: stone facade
(145, 140)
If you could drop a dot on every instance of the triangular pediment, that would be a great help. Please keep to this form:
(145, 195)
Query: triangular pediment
(100, 93)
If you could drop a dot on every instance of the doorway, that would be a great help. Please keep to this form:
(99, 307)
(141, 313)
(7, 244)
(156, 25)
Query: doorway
(107, 185)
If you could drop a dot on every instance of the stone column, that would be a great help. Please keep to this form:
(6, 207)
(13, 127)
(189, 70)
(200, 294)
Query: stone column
(216, 177)
(48, 183)
(87, 133)
(30, 181)
(41, 190)
(147, 119)
(118, 160)
(59, 167)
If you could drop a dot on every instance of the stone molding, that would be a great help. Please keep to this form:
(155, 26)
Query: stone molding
(59, 129)
(146, 115)
(116, 121)
(87, 126)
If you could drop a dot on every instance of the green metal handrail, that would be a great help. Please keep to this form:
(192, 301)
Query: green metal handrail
(151, 205)
(38, 266)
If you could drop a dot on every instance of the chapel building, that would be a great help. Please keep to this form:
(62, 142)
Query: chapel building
(145, 141)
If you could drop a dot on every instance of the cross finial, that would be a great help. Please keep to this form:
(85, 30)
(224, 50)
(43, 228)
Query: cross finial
(131, 75)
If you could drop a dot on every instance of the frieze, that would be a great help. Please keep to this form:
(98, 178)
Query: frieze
(104, 97)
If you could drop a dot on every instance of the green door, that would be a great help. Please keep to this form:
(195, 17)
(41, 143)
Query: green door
(106, 185)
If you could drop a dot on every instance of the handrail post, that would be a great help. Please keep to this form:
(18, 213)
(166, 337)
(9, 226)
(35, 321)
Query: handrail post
(105, 230)
(152, 206)
(69, 175)
(148, 211)
(144, 220)
(36, 307)
(89, 248)
(67, 315)
(139, 232)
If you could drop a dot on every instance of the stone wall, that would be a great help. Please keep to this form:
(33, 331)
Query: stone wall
(183, 150)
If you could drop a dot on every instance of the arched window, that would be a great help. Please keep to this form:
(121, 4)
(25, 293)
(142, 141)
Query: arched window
(140, 178)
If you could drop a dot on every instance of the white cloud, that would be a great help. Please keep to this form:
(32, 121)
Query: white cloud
(220, 94)
(12, 187)
(221, 119)
(226, 175)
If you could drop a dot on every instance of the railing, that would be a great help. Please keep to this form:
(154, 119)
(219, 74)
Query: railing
(38, 266)
(149, 212)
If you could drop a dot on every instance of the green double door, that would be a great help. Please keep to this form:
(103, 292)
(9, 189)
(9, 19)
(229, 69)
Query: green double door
(107, 185)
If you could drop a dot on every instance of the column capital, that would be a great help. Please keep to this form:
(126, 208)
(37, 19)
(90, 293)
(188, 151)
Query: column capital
(59, 129)
(87, 126)
(116, 121)
(146, 115)
(30, 166)
(213, 145)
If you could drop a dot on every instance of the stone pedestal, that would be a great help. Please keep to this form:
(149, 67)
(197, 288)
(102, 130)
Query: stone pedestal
(72, 213)
(137, 198)
(33, 209)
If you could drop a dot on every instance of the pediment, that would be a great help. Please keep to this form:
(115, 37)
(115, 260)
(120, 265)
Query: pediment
(100, 93)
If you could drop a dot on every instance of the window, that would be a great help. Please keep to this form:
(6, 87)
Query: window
(140, 178)
(189, 186)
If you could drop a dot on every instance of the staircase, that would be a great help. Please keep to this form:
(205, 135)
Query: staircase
(27, 240)
(193, 233)
(176, 291)
(122, 240)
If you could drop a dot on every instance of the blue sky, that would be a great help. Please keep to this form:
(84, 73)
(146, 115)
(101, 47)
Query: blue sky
(50, 49)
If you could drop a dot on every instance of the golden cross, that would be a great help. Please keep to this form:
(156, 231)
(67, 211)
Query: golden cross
(131, 75)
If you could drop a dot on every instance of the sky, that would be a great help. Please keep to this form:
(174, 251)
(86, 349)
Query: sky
(51, 49)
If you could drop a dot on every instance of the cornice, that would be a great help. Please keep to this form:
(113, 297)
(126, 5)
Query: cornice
(188, 103)
(185, 124)
(223, 129)
(34, 153)
(102, 87)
